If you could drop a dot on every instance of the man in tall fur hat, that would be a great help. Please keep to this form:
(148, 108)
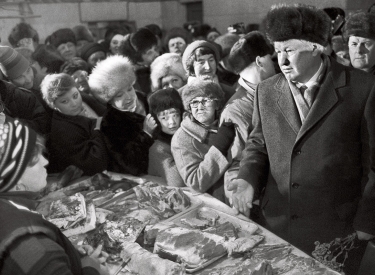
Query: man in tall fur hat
(318, 175)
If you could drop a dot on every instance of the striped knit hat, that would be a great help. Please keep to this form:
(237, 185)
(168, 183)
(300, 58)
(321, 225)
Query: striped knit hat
(12, 63)
(17, 142)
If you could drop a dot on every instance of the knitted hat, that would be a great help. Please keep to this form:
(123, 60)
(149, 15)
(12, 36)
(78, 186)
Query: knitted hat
(164, 99)
(17, 142)
(360, 24)
(226, 42)
(244, 52)
(62, 36)
(89, 49)
(108, 75)
(82, 33)
(298, 21)
(177, 32)
(143, 39)
(73, 65)
(164, 65)
(20, 31)
(201, 88)
(12, 63)
(190, 50)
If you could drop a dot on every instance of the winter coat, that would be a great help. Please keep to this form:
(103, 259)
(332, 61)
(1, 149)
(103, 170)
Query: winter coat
(201, 166)
(128, 145)
(161, 162)
(73, 141)
(315, 173)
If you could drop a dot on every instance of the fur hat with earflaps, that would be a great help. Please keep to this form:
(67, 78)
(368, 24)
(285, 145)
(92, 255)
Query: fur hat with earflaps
(20, 31)
(360, 24)
(164, 99)
(298, 21)
(164, 65)
(108, 75)
(62, 36)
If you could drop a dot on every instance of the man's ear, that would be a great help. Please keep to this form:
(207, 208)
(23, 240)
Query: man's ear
(258, 61)
(315, 50)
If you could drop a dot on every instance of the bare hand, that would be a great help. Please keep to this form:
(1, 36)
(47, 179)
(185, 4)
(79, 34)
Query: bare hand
(85, 249)
(95, 259)
(242, 197)
(362, 236)
(149, 124)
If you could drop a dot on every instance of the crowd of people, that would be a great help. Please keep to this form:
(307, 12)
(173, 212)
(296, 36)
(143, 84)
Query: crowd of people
(279, 124)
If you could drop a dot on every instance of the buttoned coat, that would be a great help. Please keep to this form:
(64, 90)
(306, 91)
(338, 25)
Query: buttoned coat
(320, 175)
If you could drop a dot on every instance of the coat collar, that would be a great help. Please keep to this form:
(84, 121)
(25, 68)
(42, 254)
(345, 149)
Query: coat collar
(193, 129)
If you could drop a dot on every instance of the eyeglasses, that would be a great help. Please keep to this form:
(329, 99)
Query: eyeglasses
(206, 102)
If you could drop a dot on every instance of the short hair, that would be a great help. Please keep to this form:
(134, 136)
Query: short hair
(194, 57)
(56, 85)
(47, 56)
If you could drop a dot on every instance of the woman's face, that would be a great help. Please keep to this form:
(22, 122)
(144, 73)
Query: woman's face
(170, 120)
(172, 81)
(126, 98)
(203, 110)
(205, 67)
(70, 103)
(35, 178)
(114, 46)
(26, 80)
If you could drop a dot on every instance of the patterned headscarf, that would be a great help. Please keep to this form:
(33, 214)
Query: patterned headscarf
(17, 142)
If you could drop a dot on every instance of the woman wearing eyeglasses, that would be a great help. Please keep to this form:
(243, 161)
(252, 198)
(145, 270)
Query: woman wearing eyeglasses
(199, 147)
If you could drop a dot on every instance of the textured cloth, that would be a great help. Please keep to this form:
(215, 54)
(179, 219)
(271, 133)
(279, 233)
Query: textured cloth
(12, 63)
(23, 104)
(201, 166)
(73, 141)
(315, 173)
(128, 145)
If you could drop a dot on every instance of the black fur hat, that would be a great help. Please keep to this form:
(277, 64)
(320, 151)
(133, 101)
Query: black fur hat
(298, 21)
(164, 99)
(62, 36)
(245, 50)
(20, 31)
(143, 39)
(360, 24)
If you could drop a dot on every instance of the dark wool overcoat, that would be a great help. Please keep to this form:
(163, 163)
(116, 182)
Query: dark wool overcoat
(320, 176)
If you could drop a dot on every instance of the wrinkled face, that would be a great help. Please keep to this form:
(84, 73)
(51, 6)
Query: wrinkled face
(126, 98)
(212, 36)
(203, 110)
(35, 178)
(114, 46)
(81, 78)
(67, 50)
(150, 55)
(170, 120)
(362, 52)
(95, 58)
(177, 45)
(205, 67)
(172, 81)
(70, 103)
(26, 80)
(296, 60)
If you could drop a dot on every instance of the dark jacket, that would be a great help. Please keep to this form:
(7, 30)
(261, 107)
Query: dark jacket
(23, 104)
(128, 145)
(73, 141)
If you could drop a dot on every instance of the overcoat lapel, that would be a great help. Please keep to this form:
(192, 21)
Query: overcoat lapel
(286, 104)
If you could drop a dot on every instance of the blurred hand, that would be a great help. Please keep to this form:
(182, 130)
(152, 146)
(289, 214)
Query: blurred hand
(362, 236)
(149, 124)
(95, 259)
(242, 197)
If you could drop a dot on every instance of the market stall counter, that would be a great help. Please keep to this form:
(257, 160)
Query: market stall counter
(146, 227)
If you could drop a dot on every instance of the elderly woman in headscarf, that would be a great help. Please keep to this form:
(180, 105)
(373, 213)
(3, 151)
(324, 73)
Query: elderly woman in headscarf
(199, 146)
(29, 243)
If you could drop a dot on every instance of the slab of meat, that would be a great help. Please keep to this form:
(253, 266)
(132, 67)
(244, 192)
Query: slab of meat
(246, 267)
(191, 246)
(242, 245)
(195, 223)
(144, 262)
(226, 230)
(208, 214)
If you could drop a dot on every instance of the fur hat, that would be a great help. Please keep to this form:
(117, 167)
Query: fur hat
(82, 33)
(360, 24)
(20, 31)
(143, 39)
(73, 65)
(17, 143)
(156, 30)
(226, 42)
(12, 63)
(187, 58)
(164, 99)
(201, 88)
(244, 52)
(62, 36)
(108, 75)
(177, 32)
(89, 49)
(298, 21)
(164, 65)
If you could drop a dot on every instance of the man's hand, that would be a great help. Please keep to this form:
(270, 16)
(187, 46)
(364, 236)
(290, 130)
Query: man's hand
(362, 236)
(242, 197)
